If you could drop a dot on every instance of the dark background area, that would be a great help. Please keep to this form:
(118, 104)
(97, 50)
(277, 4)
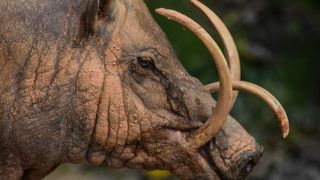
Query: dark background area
(279, 46)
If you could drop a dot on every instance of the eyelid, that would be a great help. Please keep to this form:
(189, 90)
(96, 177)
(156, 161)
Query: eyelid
(127, 60)
(150, 54)
(145, 58)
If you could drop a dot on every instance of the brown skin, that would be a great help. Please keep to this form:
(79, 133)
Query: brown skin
(104, 87)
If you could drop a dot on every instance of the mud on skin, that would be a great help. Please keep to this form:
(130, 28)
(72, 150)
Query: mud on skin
(98, 81)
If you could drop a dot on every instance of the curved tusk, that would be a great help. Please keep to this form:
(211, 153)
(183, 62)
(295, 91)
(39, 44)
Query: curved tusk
(224, 104)
(264, 95)
(228, 42)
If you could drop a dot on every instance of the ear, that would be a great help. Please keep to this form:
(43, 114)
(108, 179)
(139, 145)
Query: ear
(95, 11)
(99, 10)
(92, 16)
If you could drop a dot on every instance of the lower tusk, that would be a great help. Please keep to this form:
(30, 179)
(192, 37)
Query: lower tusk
(264, 95)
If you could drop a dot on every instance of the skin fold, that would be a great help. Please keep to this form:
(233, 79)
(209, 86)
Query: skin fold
(98, 81)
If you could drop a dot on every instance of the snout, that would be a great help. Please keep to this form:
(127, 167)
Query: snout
(235, 167)
(233, 152)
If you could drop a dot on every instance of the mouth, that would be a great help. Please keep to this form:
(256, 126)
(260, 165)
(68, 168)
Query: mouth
(205, 153)
(238, 170)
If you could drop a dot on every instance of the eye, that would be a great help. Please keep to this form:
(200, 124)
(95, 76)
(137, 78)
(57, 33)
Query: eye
(145, 62)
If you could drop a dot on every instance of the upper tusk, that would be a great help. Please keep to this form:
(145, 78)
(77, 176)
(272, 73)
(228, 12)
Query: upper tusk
(228, 42)
(224, 104)
(264, 95)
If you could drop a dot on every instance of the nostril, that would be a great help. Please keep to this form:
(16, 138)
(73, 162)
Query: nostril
(248, 161)
(249, 166)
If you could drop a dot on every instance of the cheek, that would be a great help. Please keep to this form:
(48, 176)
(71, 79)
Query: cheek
(147, 87)
(150, 93)
(153, 95)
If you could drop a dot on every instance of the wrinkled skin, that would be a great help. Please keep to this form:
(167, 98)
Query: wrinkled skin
(107, 89)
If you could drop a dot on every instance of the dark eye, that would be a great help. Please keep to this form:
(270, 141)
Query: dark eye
(145, 62)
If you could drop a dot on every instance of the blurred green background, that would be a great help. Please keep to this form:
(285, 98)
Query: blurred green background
(279, 46)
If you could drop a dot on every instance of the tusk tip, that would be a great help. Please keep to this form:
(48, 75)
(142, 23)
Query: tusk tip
(285, 132)
(160, 10)
(164, 12)
(194, 1)
(284, 122)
